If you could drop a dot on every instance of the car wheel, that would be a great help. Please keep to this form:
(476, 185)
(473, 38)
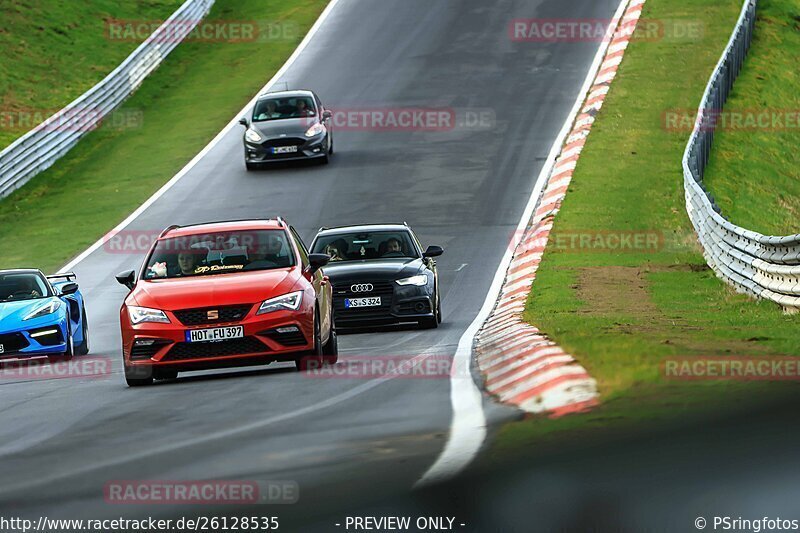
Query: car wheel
(138, 377)
(67, 354)
(438, 309)
(83, 349)
(325, 159)
(330, 148)
(312, 360)
(331, 349)
(251, 166)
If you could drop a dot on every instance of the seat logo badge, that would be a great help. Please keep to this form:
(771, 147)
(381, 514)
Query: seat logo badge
(213, 314)
(2, 348)
(361, 287)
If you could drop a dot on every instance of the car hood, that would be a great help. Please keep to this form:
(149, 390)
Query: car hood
(12, 313)
(216, 290)
(389, 269)
(290, 127)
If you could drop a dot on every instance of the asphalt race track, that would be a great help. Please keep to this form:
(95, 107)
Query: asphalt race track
(340, 440)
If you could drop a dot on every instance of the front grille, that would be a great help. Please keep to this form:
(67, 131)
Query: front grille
(196, 350)
(293, 338)
(284, 141)
(13, 342)
(147, 351)
(341, 291)
(197, 317)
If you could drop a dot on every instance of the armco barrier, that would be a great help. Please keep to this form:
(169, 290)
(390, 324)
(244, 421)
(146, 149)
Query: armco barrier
(759, 265)
(42, 146)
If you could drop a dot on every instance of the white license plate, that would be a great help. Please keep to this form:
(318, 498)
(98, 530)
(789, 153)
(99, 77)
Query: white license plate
(284, 149)
(214, 334)
(362, 302)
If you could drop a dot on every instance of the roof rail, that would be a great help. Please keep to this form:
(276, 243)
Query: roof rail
(168, 229)
(281, 221)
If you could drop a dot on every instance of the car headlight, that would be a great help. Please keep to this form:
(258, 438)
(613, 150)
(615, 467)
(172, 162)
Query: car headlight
(419, 281)
(290, 302)
(316, 129)
(145, 314)
(48, 308)
(252, 135)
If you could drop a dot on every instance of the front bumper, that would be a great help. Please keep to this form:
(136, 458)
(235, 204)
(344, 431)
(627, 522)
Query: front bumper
(398, 304)
(313, 148)
(24, 342)
(277, 336)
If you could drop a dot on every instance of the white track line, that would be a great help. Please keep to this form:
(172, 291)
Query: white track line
(210, 146)
(468, 427)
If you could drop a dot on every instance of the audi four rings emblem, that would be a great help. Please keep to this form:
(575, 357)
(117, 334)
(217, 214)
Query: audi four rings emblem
(361, 287)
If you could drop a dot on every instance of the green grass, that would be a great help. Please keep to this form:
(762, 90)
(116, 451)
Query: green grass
(176, 112)
(755, 173)
(54, 50)
(623, 313)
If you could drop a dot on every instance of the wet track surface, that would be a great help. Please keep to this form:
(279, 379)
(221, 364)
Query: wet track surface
(341, 440)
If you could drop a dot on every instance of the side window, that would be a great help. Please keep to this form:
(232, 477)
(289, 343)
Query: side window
(300, 246)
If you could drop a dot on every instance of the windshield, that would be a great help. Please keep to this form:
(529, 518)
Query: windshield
(359, 246)
(22, 286)
(281, 108)
(219, 253)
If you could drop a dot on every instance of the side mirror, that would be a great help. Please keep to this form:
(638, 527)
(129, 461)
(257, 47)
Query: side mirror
(68, 288)
(317, 261)
(127, 278)
(327, 114)
(433, 251)
(243, 121)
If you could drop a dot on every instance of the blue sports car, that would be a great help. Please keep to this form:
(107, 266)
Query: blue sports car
(41, 315)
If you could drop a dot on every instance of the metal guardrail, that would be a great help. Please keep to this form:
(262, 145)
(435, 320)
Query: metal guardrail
(763, 266)
(39, 148)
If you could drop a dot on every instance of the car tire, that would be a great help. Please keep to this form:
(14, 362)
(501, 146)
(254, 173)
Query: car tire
(330, 148)
(434, 321)
(251, 166)
(67, 355)
(331, 349)
(312, 360)
(138, 377)
(83, 348)
(325, 159)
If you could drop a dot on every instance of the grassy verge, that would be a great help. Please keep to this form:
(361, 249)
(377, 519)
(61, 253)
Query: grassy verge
(623, 314)
(754, 172)
(177, 111)
(54, 51)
